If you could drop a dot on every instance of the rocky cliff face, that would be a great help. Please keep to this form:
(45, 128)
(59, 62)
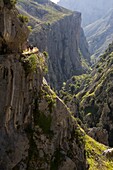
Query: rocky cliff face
(60, 37)
(15, 108)
(36, 128)
(84, 47)
(61, 41)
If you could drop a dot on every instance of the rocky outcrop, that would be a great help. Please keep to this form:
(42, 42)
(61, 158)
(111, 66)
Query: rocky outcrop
(60, 37)
(97, 27)
(91, 11)
(99, 134)
(11, 29)
(108, 153)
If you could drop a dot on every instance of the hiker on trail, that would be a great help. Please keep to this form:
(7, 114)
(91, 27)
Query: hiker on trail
(31, 47)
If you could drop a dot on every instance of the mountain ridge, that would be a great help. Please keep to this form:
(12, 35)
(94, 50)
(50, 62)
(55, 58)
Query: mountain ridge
(91, 11)
(99, 34)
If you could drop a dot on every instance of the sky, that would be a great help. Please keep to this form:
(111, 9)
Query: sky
(55, 1)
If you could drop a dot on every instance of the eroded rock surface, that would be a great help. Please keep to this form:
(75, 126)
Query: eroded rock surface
(58, 31)
(37, 130)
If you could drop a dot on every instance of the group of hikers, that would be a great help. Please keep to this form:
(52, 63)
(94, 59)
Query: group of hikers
(29, 47)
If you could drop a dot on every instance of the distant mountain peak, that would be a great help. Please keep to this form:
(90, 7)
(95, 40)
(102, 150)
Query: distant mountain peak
(91, 10)
(100, 34)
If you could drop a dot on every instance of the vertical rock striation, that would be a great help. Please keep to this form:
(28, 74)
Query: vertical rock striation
(37, 130)
(16, 94)
(61, 41)
(56, 30)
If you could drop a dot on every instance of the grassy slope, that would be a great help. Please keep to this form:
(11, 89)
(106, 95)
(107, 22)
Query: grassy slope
(89, 87)
(93, 152)
(100, 87)
(94, 155)
(96, 86)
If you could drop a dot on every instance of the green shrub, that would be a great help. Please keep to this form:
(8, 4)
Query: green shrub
(73, 79)
(45, 54)
(100, 70)
(30, 63)
(13, 2)
(79, 136)
(44, 122)
(111, 62)
(30, 28)
(23, 18)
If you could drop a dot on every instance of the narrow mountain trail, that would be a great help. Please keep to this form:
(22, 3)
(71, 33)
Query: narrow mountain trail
(31, 51)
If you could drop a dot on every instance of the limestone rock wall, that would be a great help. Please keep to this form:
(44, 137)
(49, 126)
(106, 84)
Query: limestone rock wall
(16, 102)
(61, 41)
(37, 130)
(57, 31)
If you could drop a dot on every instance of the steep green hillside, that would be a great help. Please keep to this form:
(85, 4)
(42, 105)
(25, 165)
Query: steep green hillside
(90, 98)
(96, 102)
(94, 155)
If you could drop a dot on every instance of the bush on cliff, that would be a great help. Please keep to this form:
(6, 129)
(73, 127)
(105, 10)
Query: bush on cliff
(23, 18)
(10, 2)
